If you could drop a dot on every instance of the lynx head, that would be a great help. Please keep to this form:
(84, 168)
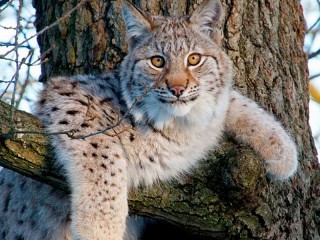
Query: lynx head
(175, 65)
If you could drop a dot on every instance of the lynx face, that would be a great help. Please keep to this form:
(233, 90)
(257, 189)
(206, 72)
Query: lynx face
(173, 66)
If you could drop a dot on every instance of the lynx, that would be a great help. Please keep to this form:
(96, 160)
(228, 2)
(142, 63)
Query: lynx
(154, 118)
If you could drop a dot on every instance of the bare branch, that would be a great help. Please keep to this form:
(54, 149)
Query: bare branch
(70, 133)
(58, 21)
(25, 83)
(14, 78)
(16, 40)
(43, 56)
(315, 24)
(7, 5)
(314, 76)
(4, 81)
(314, 54)
(21, 62)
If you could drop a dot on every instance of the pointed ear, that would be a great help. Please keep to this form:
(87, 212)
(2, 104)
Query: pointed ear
(207, 16)
(137, 22)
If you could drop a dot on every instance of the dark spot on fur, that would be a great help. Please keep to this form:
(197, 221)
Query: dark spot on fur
(23, 209)
(42, 101)
(106, 99)
(74, 84)
(233, 99)
(83, 82)
(6, 203)
(113, 174)
(116, 155)
(32, 224)
(72, 112)
(94, 155)
(85, 154)
(104, 156)
(103, 165)
(95, 145)
(55, 109)
(64, 122)
(84, 125)
(83, 103)
(20, 222)
(22, 184)
(245, 105)
(131, 137)
(151, 159)
(105, 182)
(3, 234)
(67, 94)
(140, 164)
(91, 170)
(19, 237)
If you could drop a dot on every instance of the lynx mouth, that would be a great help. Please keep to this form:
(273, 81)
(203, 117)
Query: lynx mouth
(177, 100)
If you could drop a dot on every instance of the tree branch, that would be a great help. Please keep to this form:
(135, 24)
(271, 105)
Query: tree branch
(196, 203)
(314, 54)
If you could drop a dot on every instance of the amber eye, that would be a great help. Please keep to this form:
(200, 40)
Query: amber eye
(194, 59)
(157, 61)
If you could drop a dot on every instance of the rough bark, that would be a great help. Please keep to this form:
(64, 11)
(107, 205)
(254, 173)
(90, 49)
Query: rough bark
(228, 196)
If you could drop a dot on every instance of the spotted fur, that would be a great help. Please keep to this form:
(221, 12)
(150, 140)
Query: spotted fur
(151, 121)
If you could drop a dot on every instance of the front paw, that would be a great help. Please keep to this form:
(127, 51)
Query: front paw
(284, 162)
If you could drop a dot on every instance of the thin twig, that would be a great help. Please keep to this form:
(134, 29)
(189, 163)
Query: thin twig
(69, 133)
(109, 127)
(24, 63)
(16, 41)
(314, 54)
(9, 83)
(14, 60)
(8, 28)
(314, 76)
(4, 81)
(315, 24)
(12, 80)
(25, 83)
(312, 36)
(43, 56)
(7, 5)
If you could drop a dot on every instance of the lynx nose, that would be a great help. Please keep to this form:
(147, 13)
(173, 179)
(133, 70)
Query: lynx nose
(177, 90)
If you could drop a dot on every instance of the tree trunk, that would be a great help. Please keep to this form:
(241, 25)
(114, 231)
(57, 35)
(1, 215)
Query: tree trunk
(228, 196)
